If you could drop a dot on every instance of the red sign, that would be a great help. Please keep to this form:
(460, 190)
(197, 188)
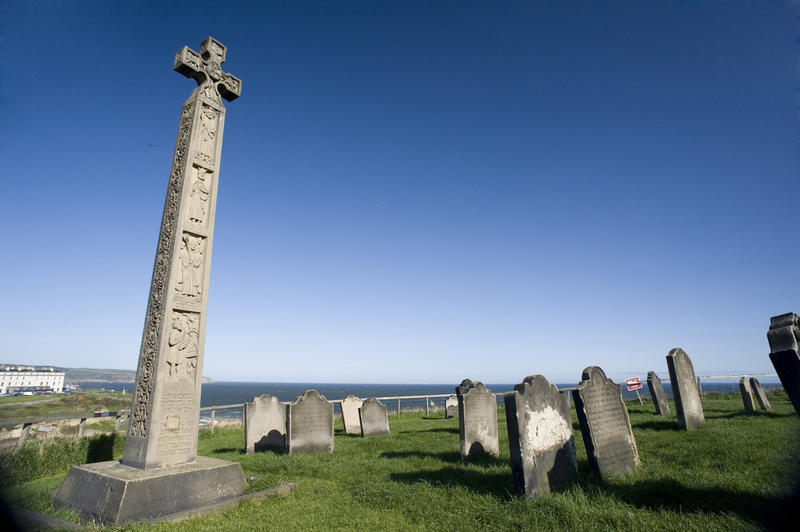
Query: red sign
(633, 384)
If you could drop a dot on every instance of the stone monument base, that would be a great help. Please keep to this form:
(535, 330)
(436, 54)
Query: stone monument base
(110, 492)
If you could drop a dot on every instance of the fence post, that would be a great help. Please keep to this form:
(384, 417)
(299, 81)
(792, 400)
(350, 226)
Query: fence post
(116, 423)
(213, 412)
(26, 428)
(699, 387)
(427, 407)
(398, 405)
(639, 397)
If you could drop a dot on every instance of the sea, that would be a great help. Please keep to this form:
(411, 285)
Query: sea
(226, 393)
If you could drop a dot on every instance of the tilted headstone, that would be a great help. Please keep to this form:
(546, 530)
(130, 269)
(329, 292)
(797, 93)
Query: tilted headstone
(605, 425)
(350, 406)
(161, 444)
(540, 438)
(784, 345)
(747, 395)
(264, 425)
(761, 395)
(374, 418)
(684, 390)
(451, 406)
(310, 424)
(477, 422)
(657, 394)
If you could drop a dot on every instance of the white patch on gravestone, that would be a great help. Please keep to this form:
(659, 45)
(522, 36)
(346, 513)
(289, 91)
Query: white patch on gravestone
(540, 438)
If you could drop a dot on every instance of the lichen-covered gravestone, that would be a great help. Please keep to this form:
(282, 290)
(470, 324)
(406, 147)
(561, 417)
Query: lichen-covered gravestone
(477, 422)
(784, 344)
(451, 406)
(540, 438)
(747, 395)
(761, 395)
(657, 394)
(605, 425)
(160, 472)
(350, 406)
(684, 390)
(264, 425)
(309, 428)
(374, 418)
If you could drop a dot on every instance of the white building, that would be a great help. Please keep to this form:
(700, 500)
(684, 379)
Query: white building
(15, 378)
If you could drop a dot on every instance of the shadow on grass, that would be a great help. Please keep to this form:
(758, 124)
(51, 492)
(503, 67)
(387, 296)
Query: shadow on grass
(451, 457)
(657, 425)
(101, 448)
(496, 484)
(669, 494)
(227, 450)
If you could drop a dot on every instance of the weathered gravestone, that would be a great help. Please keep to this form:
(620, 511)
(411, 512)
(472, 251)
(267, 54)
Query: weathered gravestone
(160, 472)
(477, 422)
(374, 418)
(761, 395)
(540, 438)
(657, 394)
(264, 425)
(451, 406)
(684, 390)
(605, 425)
(310, 424)
(350, 406)
(784, 344)
(747, 395)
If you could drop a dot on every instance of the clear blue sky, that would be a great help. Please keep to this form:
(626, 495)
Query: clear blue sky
(411, 191)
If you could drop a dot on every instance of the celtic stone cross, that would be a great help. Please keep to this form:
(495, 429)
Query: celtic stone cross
(166, 400)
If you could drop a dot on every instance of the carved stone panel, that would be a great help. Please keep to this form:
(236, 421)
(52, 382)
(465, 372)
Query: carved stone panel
(761, 395)
(199, 196)
(684, 390)
(657, 394)
(605, 425)
(350, 406)
(190, 270)
(747, 395)
(264, 425)
(374, 418)
(310, 424)
(207, 138)
(784, 344)
(477, 422)
(540, 438)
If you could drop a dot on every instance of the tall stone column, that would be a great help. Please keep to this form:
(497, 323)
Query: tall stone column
(160, 472)
(166, 401)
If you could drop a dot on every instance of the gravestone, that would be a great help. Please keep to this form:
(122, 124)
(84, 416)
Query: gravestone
(350, 406)
(761, 395)
(451, 406)
(700, 388)
(540, 438)
(605, 425)
(374, 418)
(657, 394)
(784, 345)
(264, 425)
(477, 422)
(684, 390)
(747, 395)
(465, 386)
(160, 472)
(310, 424)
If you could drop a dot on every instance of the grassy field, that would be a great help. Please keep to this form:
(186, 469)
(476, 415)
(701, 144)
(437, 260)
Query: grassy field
(62, 404)
(735, 473)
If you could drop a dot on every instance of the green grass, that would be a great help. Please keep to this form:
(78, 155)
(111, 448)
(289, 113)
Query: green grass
(735, 473)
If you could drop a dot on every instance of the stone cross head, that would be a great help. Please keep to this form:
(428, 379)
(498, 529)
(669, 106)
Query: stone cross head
(206, 69)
